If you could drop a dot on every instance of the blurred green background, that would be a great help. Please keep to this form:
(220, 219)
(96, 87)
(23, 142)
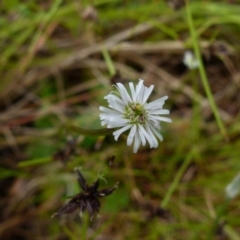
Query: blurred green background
(60, 58)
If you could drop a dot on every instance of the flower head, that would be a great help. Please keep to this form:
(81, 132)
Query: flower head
(132, 112)
(233, 188)
(87, 200)
(190, 60)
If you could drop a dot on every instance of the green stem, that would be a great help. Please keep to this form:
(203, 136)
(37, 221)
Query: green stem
(108, 61)
(69, 233)
(35, 161)
(196, 110)
(90, 132)
(203, 72)
(220, 214)
(177, 179)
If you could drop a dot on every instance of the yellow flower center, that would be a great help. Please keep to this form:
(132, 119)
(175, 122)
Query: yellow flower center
(136, 113)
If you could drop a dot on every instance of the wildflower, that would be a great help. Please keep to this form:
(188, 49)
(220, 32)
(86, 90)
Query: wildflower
(233, 188)
(190, 61)
(86, 200)
(132, 112)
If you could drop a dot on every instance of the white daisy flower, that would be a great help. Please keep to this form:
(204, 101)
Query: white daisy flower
(132, 112)
(233, 188)
(190, 60)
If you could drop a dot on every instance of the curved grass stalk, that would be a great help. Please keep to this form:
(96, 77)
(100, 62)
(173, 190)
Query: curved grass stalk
(203, 72)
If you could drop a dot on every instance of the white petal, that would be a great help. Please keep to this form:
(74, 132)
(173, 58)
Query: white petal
(117, 133)
(160, 111)
(124, 94)
(140, 91)
(117, 122)
(157, 104)
(143, 139)
(131, 135)
(164, 119)
(155, 131)
(147, 93)
(137, 143)
(104, 122)
(116, 103)
(150, 133)
(233, 188)
(153, 120)
(112, 98)
(107, 115)
(132, 91)
(118, 106)
(139, 86)
(107, 110)
(147, 136)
